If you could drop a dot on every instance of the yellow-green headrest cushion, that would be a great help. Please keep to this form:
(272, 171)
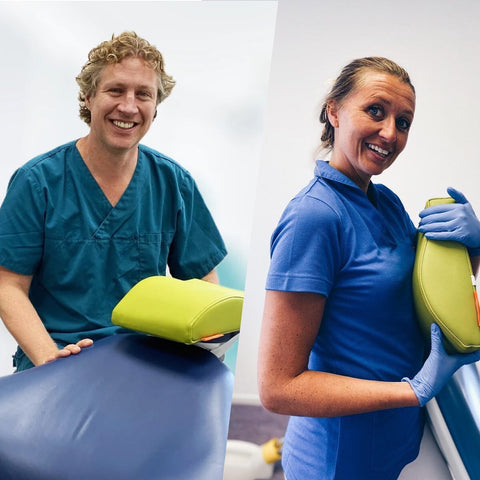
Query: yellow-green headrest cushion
(444, 292)
(185, 311)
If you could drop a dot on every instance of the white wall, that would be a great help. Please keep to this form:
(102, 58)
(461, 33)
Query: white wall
(219, 53)
(436, 42)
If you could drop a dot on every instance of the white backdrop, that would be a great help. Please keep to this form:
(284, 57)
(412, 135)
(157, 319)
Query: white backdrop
(218, 52)
(438, 43)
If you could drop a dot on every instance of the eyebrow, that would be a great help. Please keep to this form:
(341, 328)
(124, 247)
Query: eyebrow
(380, 98)
(118, 83)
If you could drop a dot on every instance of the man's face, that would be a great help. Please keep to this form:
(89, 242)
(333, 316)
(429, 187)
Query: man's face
(123, 106)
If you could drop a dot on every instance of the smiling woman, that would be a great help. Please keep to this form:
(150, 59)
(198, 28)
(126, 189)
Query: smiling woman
(369, 126)
(340, 340)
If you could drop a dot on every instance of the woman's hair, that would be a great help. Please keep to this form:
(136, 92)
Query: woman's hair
(127, 44)
(348, 80)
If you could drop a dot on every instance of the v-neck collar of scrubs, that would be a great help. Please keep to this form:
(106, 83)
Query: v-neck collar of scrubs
(368, 203)
(107, 213)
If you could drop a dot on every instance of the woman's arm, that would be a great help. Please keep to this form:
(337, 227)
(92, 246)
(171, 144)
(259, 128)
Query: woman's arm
(23, 322)
(290, 324)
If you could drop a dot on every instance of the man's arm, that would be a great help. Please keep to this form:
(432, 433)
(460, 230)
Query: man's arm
(22, 320)
(211, 277)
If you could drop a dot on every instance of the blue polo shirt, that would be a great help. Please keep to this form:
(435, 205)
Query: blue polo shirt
(84, 254)
(358, 251)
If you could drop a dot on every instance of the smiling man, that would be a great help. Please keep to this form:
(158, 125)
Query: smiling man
(81, 224)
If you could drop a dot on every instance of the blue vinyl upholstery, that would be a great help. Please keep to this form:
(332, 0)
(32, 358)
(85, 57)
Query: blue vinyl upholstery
(459, 403)
(131, 407)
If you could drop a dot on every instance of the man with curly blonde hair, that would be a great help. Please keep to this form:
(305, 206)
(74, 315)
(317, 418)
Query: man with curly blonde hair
(127, 44)
(81, 224)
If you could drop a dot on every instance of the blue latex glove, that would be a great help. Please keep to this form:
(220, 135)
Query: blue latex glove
(451, 221)
(438, 368)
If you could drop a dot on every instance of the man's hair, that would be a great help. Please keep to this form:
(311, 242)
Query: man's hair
(127, 44)
(349, 78)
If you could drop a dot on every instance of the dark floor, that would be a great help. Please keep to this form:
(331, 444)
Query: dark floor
(254, 424)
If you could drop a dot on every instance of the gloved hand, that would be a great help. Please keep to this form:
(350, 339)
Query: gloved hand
(438, 368)
(451, 221)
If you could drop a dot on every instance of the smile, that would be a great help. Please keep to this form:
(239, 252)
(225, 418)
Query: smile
(379, 150)
(124, 125)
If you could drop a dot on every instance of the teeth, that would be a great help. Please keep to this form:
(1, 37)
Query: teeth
(123, 124)
(378, 149)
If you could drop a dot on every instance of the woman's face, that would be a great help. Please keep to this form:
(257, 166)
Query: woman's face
(371, 126)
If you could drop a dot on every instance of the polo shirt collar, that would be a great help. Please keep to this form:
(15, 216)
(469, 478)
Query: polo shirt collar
(324, 170)
(372, 213)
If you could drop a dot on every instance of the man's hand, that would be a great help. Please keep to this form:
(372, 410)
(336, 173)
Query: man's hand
(72, 349)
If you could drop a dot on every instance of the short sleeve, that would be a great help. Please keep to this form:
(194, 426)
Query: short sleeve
(305, 248)
(197, 247)
(22, 224)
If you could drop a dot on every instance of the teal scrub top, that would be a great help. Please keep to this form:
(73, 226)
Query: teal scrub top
(57, 225)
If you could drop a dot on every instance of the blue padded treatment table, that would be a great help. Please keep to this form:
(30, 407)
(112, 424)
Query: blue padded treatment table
(459, 403)
(131, 407)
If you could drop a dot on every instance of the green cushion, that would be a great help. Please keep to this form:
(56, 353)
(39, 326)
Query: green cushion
(186, 311)
(444, 292)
